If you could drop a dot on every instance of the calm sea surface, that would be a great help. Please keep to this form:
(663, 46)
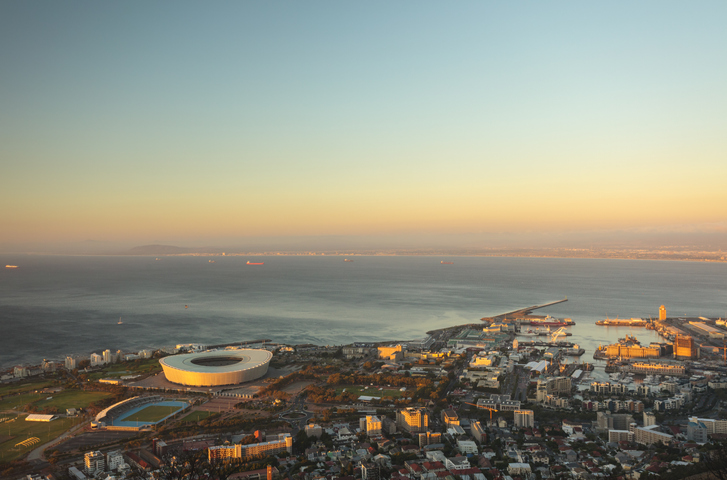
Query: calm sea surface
(53, 305)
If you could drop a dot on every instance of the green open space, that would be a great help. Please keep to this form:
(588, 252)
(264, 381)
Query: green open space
(71, 399)
(22, 387)
(371, 391)
(15, 431)
(152, 413)
(17, 402)
(196, 416)
(61, 400)
(137, 367)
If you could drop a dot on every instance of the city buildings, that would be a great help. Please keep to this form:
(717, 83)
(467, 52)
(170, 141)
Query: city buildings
(94, 462)
(70, 363)
(524, 419)
(371, 425)
(650, 435)
(284, 443)
(413, 420)
(450, 417)
(478, 432)
(685, 347)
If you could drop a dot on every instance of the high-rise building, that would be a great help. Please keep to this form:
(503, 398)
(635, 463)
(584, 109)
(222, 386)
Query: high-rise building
(370, 471)
(413, 420)
(524, 418)
(684, 347)
(649, 419)
(450, 417)
(108, 356)
(70, 363)
(662, 313)
(96, 360)
(313, 430)
(429, 438)
(114, 460)
(478, 432)
(373, 425)
(95, 462)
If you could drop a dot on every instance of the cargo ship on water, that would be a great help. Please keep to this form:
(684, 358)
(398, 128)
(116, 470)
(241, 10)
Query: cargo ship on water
(11, 266)
(548, 321)
(622, 322)
(446, 263)
(255, 263)
(347, 260)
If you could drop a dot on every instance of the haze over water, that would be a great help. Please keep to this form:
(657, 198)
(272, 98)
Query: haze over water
(55, 305)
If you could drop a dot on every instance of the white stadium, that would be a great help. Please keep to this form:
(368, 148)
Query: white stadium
(216, 368)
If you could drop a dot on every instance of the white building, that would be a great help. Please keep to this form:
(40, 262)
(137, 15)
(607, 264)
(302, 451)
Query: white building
(313, 430)
(70, 363)
(114, 460)
(76, 474)
(94, 462)
(466, 446)
(96, 360)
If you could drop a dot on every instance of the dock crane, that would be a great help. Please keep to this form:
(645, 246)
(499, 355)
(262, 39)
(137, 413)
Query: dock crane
(483, 407)
(554, 336)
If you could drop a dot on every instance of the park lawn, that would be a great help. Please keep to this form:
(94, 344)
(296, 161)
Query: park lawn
(153, 413)
(371, 392)
(19, 401)
(196, 416)
(20, 430)
(136, 367)
(24, 387)
(71, 399)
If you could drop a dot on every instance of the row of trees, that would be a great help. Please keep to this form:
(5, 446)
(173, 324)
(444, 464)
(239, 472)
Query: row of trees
(379, 379)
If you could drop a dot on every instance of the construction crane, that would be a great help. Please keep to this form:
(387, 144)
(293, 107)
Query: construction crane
(554, 336)
(484, 407)
(723, 348)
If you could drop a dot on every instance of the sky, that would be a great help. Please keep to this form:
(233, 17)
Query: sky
(200, 123)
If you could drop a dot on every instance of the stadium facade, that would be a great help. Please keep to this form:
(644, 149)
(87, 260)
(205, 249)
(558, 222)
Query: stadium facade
(216, 368)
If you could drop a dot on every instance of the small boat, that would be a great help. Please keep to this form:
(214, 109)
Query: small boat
(211, 261)
(186, 306)
(446, 263)
(119, 322)
(255, 263)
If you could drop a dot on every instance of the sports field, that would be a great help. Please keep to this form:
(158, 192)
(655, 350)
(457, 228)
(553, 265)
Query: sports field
(150, 414)
(14, 432)
(61, 400)
(24, 387)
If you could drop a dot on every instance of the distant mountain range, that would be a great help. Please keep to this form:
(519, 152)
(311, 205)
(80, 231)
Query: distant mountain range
(171, 250)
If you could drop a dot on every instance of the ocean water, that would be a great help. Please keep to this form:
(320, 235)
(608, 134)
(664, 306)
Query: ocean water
(52, 306)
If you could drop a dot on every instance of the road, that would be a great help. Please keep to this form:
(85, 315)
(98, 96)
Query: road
(37, 454)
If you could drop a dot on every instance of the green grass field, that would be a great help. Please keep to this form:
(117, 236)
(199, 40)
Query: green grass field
(149, 365)
(72, 399)
(19, 401)
(24, 387)
(153, 413)
(61, 400)
(19, 430)
(196, 416)
(371, 392)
